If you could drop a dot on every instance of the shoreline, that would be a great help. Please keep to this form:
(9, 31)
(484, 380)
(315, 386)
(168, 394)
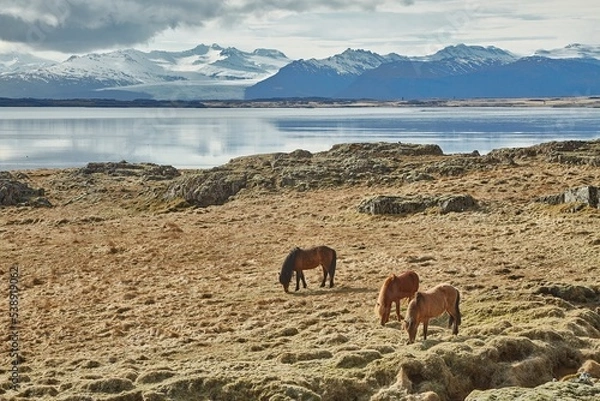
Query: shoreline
(575, 101)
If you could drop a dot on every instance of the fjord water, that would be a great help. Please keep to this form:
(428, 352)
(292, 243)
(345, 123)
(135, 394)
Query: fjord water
(202, 138)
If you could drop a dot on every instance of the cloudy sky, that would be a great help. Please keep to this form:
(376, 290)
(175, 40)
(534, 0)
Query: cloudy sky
(300, 28)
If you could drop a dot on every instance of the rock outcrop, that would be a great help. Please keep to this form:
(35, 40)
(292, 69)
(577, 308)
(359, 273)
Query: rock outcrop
(147, 171)
(213, 187)
(344, 164)
(15, 191)
(382, 204)
(585, 195)
(371, 164)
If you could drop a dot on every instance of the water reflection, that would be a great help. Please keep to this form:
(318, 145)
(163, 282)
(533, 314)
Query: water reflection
(201, 138)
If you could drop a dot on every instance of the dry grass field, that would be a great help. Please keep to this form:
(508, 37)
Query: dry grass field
(126, 296)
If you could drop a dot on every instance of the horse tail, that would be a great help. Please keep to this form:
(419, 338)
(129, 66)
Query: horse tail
(332, 263)
(287, 269)
(457, 308)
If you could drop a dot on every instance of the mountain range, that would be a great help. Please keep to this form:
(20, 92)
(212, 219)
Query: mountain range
(204, 72)
(213, 72)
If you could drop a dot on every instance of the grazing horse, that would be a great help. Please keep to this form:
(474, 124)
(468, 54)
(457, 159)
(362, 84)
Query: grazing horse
(431, 303)
(395, 289)
(302, 259)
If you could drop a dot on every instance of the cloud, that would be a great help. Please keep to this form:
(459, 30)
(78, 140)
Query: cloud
(86, 25)
(75, 25)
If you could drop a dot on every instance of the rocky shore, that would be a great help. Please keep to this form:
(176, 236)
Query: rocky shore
(144, 282)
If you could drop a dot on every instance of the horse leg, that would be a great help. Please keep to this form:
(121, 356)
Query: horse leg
(298, 276)
(398, 310)
(331, 270)
(425, 324)
(302, 277)
(453, 322)
(324, 276)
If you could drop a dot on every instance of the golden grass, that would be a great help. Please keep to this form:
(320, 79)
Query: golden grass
(126, 296)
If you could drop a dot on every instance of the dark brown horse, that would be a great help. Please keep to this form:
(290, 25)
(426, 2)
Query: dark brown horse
(395, 289)
(302, 259)
(431, 303)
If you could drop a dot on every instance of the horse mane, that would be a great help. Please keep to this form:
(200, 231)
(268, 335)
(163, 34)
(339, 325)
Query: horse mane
(418, 297)
(287, 269)
(384, 287)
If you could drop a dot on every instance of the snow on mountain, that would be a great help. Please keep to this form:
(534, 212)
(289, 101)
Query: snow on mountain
(319, 78)
(155, 73)
(13, 61)
(223, 63)
(120, 67)
(574, 50)
(334, 76)
(352, 61)
(468, 53)
(213, 72)
(464, 58)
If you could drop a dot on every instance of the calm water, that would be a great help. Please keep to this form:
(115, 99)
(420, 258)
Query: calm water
(201, 138)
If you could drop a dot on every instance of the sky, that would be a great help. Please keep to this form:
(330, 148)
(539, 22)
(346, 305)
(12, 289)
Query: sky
(302, 29)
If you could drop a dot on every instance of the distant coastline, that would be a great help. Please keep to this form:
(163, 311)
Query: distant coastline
(581, 101)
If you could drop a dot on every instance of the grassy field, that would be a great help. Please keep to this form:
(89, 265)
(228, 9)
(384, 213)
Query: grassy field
(127, 296)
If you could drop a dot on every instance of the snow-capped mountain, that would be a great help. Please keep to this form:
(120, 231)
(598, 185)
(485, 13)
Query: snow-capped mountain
(319, 78)
(471, 54)
(353, 62)
(574, 50)
(13, 61)
(355, 73)
(212, 72)
(205, 72)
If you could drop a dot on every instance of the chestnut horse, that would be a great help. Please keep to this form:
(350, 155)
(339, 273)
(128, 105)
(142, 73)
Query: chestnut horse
(302, 259)
(432, 303)
(395, 289)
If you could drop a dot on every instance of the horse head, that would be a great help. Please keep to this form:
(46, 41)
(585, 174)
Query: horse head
(383, 311)
(411, 322)
(411, 327)
(287, 269)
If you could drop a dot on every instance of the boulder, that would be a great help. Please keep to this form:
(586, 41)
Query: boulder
(456, 203)
(15, 192)
(587, 195)
(383, 204)
(214, 187)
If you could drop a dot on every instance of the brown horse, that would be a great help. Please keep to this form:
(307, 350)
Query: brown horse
(302, 259)
(431, 303)
(395, 289)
